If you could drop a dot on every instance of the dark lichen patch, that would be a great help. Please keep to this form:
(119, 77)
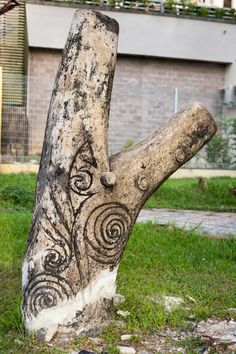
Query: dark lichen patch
(101, 89)
(76, 38)
(110, 23)
(87, 47)
(111, 73)
(198, 134)
(83, 95)
(59, 170)
(77, 106)
(80, 102)
(77, 84)
(94, 70)
(66, 111)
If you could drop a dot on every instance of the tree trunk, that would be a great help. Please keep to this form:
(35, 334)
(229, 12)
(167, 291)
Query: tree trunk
(86, 204)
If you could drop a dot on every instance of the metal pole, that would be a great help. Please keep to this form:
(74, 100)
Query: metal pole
(176, 100)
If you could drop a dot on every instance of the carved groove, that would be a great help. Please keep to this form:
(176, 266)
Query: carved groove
(142, 182)
(107, 231)
(81, 182)
(59, 255)
(45, 292)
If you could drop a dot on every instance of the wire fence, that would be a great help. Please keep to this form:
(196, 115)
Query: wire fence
(134, 114)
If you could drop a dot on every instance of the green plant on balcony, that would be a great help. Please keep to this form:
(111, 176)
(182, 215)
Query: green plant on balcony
(203, 11)
(145, 3)
(111, 3)
(183, 7)
(169, 6)
(220, 12)
(191, 9)
(232, 12)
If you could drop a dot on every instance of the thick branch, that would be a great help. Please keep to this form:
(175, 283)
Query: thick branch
(144, 167)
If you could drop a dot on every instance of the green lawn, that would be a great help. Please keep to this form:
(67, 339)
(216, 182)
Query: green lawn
(157, 261)
(184, 194)
(17, 191)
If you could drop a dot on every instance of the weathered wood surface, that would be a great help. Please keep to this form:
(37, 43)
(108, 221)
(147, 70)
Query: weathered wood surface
(87, 203)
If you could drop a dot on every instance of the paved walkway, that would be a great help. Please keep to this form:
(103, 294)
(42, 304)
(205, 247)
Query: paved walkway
(217, 224)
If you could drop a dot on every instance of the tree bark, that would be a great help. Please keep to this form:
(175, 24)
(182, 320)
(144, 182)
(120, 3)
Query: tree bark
(86, 204)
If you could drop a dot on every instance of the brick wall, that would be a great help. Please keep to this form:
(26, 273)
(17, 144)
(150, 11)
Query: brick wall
(143, 93)
(42, 69)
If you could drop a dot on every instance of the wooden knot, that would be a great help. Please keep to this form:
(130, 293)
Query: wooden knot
(108, 179)
(142, 182)
(180, 155)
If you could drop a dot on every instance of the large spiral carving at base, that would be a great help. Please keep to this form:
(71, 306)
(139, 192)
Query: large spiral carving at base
(44, 292)
(106, 232)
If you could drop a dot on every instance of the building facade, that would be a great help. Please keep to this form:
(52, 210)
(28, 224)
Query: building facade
(164, 62)
(156, 56)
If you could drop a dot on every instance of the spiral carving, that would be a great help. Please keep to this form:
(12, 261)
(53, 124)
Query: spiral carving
(142, 182)
(58, 256)
(106, 232)
(56, 260)
(81, 182)
(44, 292)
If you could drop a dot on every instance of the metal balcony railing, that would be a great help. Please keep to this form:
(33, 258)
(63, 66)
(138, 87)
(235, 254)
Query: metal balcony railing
(168, 7)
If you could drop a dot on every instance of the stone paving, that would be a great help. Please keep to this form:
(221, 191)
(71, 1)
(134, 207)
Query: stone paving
(216, 224)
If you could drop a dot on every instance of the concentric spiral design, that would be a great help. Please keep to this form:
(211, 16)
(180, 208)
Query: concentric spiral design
(58, 256)
(107, 230)
(142, 182)
(56, 260)
(81, 182)
(44, 292)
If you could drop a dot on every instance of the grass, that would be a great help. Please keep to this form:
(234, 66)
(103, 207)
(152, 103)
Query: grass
(157, 261)
(17, 191)
(161, 261)
(184, 194)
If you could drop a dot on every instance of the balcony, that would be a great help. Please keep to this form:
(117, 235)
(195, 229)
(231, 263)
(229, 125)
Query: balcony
(182, 8)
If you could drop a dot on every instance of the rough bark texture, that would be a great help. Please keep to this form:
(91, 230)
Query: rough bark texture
(86, 203)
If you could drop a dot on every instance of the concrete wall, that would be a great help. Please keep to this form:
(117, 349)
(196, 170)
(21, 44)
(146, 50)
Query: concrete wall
(142, 98)
(200, 59)
(141, 34)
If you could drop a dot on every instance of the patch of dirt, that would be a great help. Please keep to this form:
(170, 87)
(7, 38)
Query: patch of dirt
(212, 336)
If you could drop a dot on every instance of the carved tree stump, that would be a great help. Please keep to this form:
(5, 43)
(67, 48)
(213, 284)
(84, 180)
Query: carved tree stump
(87, 203)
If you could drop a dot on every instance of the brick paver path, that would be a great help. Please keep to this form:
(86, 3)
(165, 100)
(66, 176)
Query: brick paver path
(217, 224)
